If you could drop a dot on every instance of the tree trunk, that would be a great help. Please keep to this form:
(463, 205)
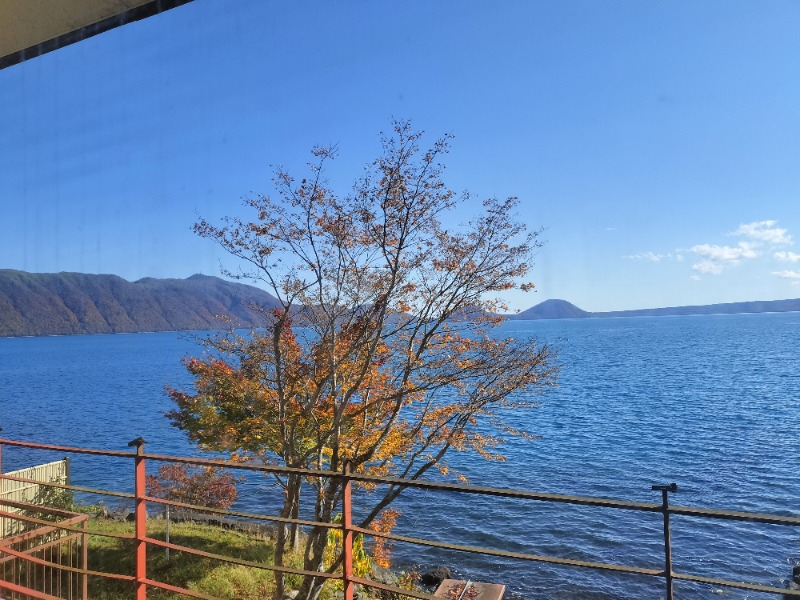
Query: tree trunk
(315, 550)
(317, 541)
(280, 545)
(287, 532)
(280, 542)
(294, 529)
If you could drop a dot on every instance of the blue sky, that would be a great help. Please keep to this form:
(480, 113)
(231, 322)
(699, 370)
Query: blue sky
(657, 142)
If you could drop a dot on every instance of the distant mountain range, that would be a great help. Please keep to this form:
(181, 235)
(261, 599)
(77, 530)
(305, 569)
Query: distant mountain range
(76, 303)
(72, 303)
(551, 309)
(561, 309)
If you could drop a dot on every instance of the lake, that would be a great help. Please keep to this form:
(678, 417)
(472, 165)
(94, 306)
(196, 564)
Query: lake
(709, 402)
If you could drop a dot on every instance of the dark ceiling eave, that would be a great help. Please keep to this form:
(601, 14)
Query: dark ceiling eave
(123, 18)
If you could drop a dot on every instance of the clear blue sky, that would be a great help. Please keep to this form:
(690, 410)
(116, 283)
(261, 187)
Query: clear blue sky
(658, 142)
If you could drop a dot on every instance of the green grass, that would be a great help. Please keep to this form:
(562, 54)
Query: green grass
(197, 573)
(186, 570)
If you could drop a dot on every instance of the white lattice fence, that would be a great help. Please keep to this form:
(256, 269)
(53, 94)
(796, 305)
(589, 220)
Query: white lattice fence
(27, 492)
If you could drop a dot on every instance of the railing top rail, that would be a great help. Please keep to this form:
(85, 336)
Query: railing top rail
(430, 485)
(733, 515)
(418, 483)
(395, 481)
(68, 449)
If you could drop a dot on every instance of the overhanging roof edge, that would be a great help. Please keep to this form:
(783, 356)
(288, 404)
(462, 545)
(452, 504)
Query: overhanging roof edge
(123, 18)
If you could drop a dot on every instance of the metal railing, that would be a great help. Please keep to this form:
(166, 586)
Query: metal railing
(46, 556)
(142, 541)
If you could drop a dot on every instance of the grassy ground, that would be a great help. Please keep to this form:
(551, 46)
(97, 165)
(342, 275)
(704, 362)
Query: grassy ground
(182, 569)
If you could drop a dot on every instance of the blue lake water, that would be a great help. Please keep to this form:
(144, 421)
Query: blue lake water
(708, 402)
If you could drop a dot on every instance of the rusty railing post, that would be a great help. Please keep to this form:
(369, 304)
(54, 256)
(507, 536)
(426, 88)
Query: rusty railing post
(665, 490)
(347, 533)
(140, 515)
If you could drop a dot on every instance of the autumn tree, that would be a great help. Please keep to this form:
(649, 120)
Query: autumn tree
(210, 487)
(206, 486)
(384, 352)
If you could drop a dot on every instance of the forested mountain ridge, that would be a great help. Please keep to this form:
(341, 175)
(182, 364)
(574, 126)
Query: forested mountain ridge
(77, 303)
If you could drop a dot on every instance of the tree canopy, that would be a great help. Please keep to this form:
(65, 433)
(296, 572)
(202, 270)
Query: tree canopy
(384, 353)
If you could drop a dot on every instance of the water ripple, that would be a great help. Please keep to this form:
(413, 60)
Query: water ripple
(708, 402)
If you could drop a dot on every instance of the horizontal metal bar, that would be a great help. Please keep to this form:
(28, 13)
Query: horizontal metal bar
(26, 592)
(18, 490)
(70, 449)
(37, 507)
(47, 527)
(179, 590)
(107, 534)
(53, 525)
(431, 485)
(239, 561)
(72, 488)
(246, 515)
(106, 575)
(118, 536)
(508, 493)
(210, 462)
(421, 484)
(732, 515)
(736, 584)
(24, 556)
(418, 484)
(516, 555)
(404, 483)
(41, 546)
(393, 589)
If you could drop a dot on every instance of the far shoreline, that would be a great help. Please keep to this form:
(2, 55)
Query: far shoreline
(507, 318)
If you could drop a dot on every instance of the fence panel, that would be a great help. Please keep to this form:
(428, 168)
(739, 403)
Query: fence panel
(26, 492)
